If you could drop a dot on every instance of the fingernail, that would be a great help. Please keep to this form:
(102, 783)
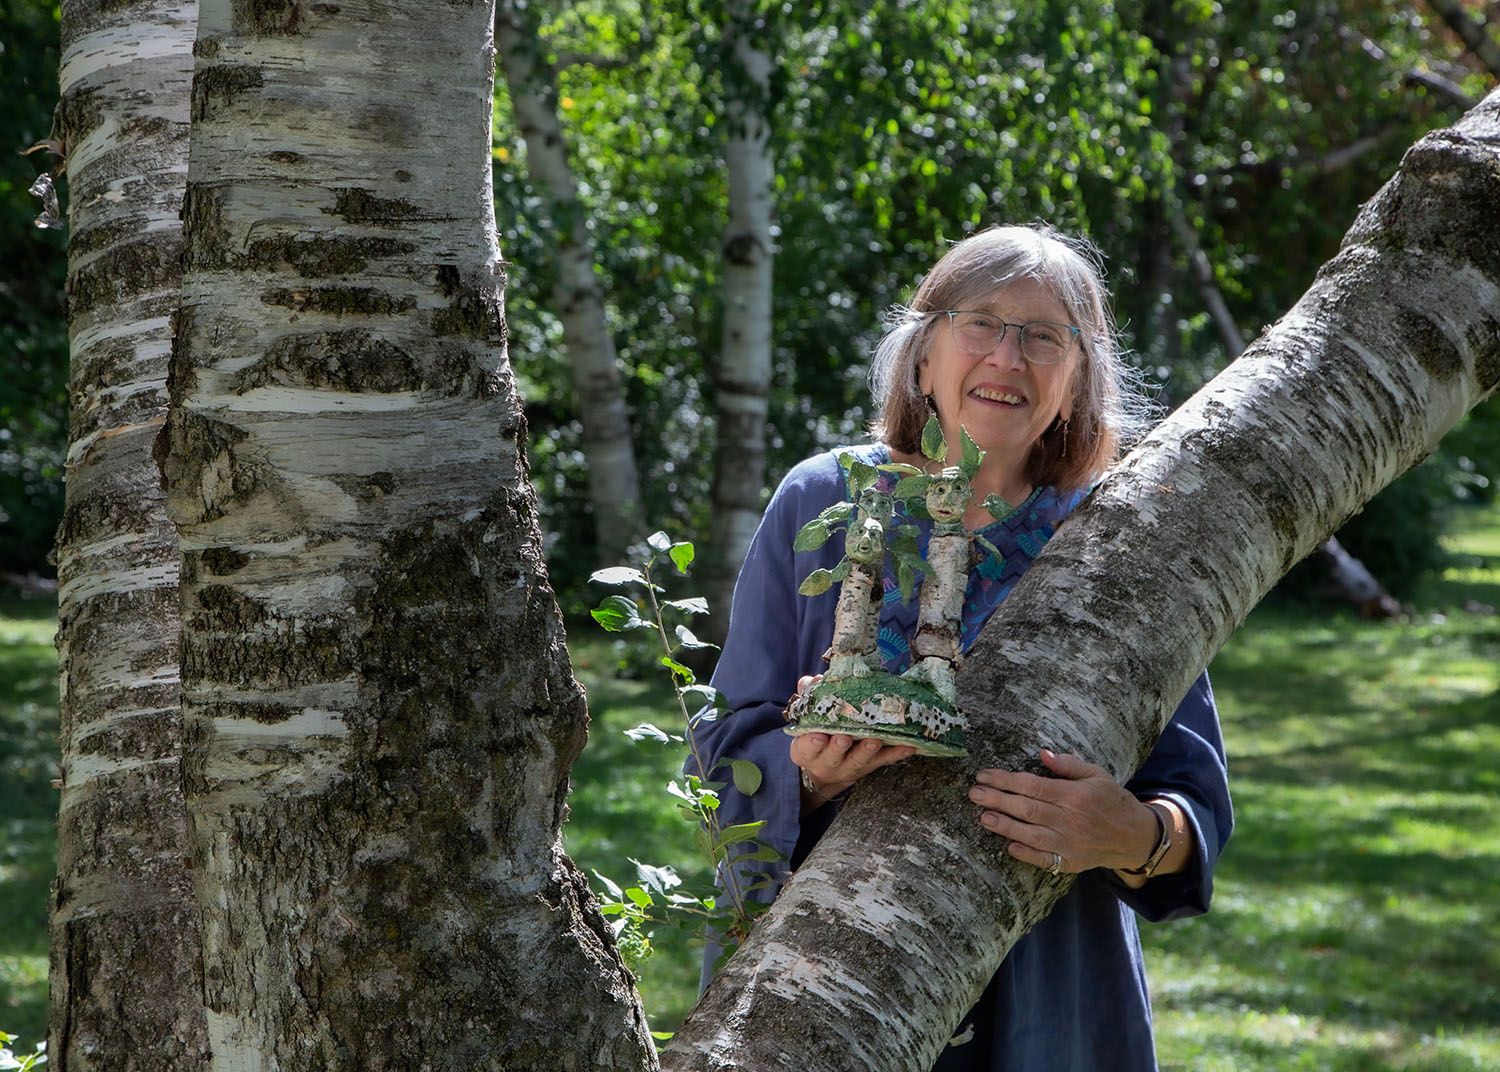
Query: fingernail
(1047, 753)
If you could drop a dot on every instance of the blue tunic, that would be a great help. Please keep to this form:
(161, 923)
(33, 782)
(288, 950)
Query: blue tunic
(1072, 993)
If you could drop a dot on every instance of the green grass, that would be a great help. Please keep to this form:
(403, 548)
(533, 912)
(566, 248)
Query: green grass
(28, 807)
(1356, 924)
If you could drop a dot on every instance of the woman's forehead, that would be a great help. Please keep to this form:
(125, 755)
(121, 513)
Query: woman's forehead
(1023, 299)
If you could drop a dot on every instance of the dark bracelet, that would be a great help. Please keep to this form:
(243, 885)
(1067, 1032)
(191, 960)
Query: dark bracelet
(1163, 842)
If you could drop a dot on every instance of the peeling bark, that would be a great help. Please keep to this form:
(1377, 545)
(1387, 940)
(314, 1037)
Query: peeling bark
(378, 708)
(125, 981)
(614, 484)
(892, 927)
(742, 376)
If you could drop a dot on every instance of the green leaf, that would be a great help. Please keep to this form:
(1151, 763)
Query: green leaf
(683, 673)
(747, 777)
(639, 896)
(817, 582)
(900, 467)
(934, 446)
(660, 879)
(764, 854)
(662, 1036)
(707, 695)
(681, 553)
(618, 575)
(647, 731)
(691, 605)
(812, 536)
(617, 613)
(905, 580)
(614, 891)
(840, 572)
(689, 642)
(972, 455)
(733, 835)
(659, 542)
(991, 548)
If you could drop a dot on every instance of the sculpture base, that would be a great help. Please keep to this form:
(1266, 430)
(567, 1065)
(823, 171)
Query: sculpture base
(882, 707)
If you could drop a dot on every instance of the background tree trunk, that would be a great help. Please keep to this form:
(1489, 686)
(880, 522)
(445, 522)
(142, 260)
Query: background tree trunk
(125, 981)
(379, 711)
(742, 377)
(893, 926)
(1474, 32)
(614, 484)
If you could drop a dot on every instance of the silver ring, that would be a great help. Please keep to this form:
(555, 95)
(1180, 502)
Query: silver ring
(1056, 867)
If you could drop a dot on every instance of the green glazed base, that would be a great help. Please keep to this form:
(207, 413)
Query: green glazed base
(883, 707)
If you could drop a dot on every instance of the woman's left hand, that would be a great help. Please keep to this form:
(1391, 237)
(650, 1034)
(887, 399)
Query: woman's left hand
(1083, 815)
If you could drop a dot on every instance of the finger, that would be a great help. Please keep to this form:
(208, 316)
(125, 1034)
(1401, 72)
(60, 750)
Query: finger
(857, 760)
(833, 752)
(1068, 765)
(1026, 809)
(1040, 858)
(807, 747)
(1033, 837)
(1018, 782)
(893, 754)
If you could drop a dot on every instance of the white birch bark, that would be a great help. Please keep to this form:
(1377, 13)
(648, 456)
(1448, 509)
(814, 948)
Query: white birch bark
(125, 983)
(614, 483)
(742, 377)
(892, 927)
(379, 710)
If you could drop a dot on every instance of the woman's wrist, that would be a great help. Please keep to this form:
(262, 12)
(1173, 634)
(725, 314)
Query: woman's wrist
(816, 794)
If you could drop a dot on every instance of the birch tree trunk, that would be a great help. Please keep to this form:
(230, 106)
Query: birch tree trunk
(891, 928)
(614, 484)
(125, 981)
(742, 377)
(379, 711)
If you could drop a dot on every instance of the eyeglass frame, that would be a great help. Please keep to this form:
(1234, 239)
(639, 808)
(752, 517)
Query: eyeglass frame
(1005, 326)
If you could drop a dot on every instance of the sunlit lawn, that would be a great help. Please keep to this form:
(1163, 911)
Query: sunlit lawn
(1356, 924)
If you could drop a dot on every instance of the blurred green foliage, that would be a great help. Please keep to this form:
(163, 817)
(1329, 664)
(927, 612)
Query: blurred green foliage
(33, 335)
(897, 128)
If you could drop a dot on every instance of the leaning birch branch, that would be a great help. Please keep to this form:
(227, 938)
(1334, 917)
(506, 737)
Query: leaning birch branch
(893, 926)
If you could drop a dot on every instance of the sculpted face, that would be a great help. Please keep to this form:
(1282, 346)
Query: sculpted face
(865, 542)
(948, 495)
(876, 504)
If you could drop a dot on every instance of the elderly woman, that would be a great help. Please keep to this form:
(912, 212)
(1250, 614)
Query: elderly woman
(1009, 337)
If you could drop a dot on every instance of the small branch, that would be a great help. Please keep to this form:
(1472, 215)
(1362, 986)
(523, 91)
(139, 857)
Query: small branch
(1473, 32)
(1444, 87)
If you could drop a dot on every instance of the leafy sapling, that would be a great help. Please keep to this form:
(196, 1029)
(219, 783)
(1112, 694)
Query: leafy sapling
(658, 895)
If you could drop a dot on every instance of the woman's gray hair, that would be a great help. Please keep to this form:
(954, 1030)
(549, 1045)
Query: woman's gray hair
(1110, 406)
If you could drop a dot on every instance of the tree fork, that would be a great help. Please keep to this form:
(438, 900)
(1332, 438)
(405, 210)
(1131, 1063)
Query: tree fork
(893, 926)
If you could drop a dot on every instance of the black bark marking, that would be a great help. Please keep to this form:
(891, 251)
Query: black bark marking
(265, 18)
(222, 561)
(338, 301)
(1484, 341)
(217, 87)
(361, 206)
(1434, 351)
(153, 262)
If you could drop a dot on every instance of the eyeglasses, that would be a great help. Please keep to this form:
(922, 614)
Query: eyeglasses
(1042, 341)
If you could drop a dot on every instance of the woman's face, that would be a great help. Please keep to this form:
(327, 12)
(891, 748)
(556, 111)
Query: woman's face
(1003, 401)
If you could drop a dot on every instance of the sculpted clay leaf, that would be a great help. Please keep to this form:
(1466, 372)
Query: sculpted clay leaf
(818, 582)
(911, 487)
(934, 446)
(972, 455)
(812, 536)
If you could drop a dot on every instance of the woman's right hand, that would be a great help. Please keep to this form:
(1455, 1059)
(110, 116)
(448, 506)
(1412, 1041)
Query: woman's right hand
(832, 762)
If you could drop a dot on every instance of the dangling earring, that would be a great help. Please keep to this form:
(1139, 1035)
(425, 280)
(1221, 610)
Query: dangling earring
(931, 405)
(1065, 436)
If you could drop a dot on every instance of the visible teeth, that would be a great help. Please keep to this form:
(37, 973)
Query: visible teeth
(998, 396)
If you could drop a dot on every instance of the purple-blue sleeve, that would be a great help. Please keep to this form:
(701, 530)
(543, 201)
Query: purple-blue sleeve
(775, 636)
(1188, 767)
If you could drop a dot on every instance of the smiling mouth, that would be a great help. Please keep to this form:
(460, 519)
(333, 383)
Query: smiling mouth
(1001, 397)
